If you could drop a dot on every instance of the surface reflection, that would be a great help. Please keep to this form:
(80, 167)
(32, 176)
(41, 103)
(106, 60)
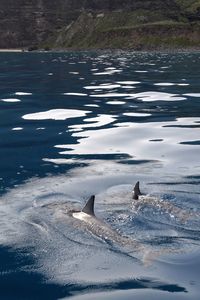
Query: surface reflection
(81, 123)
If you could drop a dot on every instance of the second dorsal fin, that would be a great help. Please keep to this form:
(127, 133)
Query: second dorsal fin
(136, 191)
(89, 206)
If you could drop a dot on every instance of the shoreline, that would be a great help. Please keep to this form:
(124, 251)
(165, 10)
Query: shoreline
(74, 49)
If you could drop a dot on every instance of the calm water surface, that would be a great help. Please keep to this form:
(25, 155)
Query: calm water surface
(82, 123)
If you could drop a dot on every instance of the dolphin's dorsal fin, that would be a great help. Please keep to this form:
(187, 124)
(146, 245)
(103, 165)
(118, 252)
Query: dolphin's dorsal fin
(89, 206)
(136, 191)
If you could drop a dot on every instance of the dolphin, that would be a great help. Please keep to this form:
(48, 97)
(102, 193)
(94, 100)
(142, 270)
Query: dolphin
(140, 200)
(136, 191)
(105, 232)
(85, 219)
(98, 227)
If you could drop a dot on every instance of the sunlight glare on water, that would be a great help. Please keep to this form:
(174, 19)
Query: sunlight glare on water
(78, 124)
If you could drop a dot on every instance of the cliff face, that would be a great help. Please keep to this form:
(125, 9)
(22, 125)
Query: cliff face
(27, 22)
(99, 23)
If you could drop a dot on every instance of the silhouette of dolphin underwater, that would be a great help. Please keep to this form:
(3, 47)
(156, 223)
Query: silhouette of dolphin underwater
(140, 200)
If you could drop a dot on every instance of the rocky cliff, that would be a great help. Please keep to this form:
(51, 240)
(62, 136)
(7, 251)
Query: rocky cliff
(83, 24)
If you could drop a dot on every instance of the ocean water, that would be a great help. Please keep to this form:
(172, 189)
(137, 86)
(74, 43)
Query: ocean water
(82, 123)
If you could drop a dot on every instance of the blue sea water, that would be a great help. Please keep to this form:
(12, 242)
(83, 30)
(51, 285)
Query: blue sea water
(81, 123)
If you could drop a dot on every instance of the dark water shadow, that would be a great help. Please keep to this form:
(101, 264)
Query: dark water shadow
(194, 182)
(134, 284)
(137, 161)
(17, 283)
(197, 143)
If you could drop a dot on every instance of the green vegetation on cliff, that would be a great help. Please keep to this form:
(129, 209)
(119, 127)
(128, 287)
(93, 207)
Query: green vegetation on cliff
(92, 24)
(109, 31)
(158, 25)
